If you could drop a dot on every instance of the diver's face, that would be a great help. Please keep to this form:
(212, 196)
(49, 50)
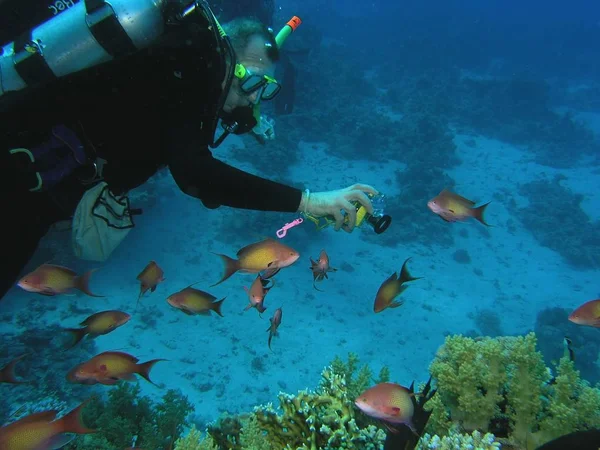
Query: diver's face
(255, 59)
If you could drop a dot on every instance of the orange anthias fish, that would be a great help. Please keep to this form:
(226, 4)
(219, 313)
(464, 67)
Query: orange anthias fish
(7, 373)
(320, 268)
(453, 208)
(194, 301)
(49, 279)
(275, 322)
(149, 278)
(257, 293)
(587, 314)
(267, 256)
(98, 324)
(110, 367)
(42, 431)
(388, 402)
(391, 288)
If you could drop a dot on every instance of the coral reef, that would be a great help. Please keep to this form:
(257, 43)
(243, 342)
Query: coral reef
(501, 385)
(458, 441)
(566, 229)
(323, 419)
(126, 419)
(490, 392)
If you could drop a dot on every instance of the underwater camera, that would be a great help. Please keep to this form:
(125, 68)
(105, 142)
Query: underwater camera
(379, 221)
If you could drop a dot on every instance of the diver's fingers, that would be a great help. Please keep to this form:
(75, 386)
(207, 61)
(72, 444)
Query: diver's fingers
(351, 214)
(339, 220)
(361, 197)
(365, 188)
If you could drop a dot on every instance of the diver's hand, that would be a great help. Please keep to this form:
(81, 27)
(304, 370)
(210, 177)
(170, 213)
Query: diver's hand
(264, 130)
(332, 203)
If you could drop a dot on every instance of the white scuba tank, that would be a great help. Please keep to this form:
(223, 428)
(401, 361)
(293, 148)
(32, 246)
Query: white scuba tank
(82, 34)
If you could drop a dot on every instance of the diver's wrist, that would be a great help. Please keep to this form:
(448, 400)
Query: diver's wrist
(303, 206)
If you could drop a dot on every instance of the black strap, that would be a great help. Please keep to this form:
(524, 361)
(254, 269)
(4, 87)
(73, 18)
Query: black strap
(106, 28)
(29, 60)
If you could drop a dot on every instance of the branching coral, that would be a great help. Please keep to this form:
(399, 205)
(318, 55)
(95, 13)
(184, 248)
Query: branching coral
(310, 420)
(323, 419)
(457, 441)
(503, 384)
(194, 441)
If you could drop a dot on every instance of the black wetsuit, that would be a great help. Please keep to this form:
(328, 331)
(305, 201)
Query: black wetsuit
(141, 113)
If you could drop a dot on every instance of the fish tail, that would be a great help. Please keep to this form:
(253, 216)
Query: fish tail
(78, 334)
(73, 422)
(216, 306)
(270, 337)
(231, 267)
(82, 283)
(8, 374)
(405, 274)
(145, 368)
(478, 213)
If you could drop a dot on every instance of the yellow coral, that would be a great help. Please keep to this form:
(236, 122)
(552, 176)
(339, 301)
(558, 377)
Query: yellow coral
(505, 380)
(319, 420)
(194, 441)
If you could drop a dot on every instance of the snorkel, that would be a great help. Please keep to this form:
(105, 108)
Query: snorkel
(234, 124)
(287, 29)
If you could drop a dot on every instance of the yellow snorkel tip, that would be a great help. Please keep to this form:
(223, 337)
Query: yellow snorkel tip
(287, 29)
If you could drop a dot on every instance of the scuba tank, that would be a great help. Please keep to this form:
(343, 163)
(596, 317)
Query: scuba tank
(79, 35)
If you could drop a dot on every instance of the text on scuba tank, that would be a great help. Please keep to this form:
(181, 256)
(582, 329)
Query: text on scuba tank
(60, 5)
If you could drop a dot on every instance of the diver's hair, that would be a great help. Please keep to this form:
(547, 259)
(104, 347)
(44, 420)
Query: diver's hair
(243, 29)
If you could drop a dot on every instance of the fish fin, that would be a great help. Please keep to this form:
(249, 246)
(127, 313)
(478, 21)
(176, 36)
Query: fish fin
(392, 277)
(153, 288)
(315, 286)
(231, 267)
(57, 441)
(458, 198)
(107, 381)
(82, 283)
(78, 334)
(73, 421)
(405, 275)
(391, 428)
(478, 213)
(7, 373)
(269, 341)
(187, 311)
(145, 368)
(396, 303)
(42, 416)
(47, 291)
(270, 271)
(265, 282)
(216, 306)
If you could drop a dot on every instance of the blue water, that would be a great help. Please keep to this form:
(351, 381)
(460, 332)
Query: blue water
(499, 101)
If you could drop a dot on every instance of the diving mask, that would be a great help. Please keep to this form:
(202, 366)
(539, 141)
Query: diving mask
(265, 86)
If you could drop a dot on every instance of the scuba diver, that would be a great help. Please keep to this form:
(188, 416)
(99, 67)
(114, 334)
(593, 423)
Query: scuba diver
(264, 11)
(112, 92)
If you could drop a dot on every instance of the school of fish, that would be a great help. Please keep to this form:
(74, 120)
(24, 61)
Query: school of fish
(390, 403)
